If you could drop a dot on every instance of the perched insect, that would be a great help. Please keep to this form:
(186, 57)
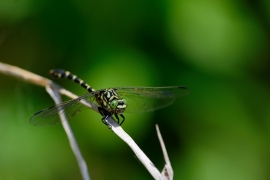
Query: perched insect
(111, 101)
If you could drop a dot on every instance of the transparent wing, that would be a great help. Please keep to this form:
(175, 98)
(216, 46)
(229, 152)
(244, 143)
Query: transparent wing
(145, 99)
(50, 116)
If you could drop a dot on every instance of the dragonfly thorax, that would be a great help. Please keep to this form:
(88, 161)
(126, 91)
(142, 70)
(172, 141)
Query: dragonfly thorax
(110, 100)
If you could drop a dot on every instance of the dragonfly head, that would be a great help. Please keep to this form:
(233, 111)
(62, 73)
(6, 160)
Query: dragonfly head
(118, 106)
(110, 100)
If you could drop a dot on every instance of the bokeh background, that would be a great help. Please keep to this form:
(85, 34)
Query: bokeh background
(218, 49)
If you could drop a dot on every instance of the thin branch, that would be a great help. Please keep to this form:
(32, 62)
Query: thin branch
(41, 81)
(23, 75)
(167, 170)
(135, 148)
(74, 146)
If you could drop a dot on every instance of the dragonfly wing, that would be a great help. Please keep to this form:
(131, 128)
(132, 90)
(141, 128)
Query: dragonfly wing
(145, 99)
(51, 115)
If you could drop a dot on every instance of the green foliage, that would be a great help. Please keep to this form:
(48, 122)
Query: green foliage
(218, 49)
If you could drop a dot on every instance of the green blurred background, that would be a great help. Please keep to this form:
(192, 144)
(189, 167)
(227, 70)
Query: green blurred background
(218, 49)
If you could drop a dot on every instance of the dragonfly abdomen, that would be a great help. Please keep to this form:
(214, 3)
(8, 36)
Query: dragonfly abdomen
(59, 73)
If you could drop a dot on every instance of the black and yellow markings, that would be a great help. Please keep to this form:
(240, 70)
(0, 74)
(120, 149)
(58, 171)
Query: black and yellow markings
(58, 73)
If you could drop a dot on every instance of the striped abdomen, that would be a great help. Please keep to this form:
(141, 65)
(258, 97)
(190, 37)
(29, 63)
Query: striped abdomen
(59, 73)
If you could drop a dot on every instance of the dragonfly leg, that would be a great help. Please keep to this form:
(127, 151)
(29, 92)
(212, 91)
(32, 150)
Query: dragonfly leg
(104, 120)
(122, 119)
(117, 118)
(105, 115)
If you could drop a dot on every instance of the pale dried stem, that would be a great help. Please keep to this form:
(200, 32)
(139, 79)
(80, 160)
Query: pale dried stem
(167, 170)
(27, 76)
(74, 146)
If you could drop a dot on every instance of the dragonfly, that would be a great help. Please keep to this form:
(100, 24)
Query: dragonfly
(111, 101)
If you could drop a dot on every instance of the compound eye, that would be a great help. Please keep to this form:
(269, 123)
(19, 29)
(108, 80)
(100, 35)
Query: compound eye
(125, 101)
(114, 104)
